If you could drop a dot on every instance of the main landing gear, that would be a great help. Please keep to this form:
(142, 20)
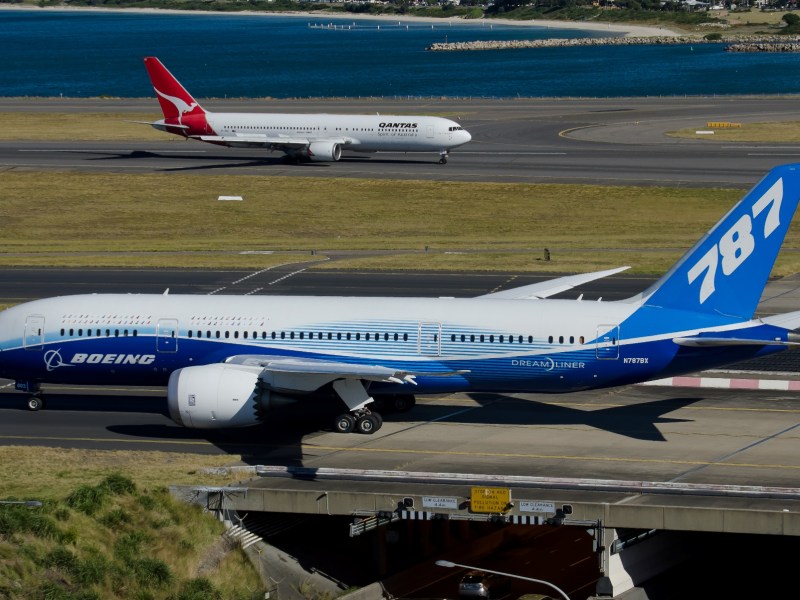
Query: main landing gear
(362, 421)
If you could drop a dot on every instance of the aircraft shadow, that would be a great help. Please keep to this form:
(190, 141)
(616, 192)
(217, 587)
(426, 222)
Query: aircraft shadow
(220, 161)
(90, 403)
(637, 421)
(228, 162)
(280, 440)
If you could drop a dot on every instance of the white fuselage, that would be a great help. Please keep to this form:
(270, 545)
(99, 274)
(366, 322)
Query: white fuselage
(363, 133)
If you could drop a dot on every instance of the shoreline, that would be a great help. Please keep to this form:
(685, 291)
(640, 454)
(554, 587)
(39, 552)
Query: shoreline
(628, 30)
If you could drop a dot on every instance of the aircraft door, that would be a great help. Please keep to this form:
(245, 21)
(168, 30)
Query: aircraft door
(608, 342)
(430, 339)
(34, 332)
(429, 132)
(167, 335)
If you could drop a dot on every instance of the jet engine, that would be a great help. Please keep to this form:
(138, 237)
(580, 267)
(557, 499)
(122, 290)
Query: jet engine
(219, 395)
(324, 151)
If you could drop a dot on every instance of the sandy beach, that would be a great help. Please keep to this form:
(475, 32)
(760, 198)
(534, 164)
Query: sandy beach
(628, 30)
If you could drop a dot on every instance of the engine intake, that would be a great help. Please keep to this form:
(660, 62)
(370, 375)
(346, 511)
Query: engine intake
(218, 396)
(324, 151)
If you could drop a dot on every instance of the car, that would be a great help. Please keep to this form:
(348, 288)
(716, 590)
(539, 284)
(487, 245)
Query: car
(478, 584)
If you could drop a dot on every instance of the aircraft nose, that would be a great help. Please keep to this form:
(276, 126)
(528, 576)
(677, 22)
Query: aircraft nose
(466, 135)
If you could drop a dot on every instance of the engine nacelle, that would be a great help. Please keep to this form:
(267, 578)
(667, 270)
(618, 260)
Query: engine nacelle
(219, 395)
(324, 151)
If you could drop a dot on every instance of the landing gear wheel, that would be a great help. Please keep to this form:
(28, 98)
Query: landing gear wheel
(443, 160)
(345, 423)
(35, 403)
(369, 424)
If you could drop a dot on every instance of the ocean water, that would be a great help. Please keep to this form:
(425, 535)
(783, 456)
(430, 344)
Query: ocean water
(86, 54)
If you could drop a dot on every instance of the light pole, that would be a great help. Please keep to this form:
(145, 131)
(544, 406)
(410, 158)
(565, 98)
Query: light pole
(448, 564)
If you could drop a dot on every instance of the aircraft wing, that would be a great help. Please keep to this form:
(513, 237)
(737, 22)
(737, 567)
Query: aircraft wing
(327, 369)
(551, 287)
(307, 373)
(265, 141)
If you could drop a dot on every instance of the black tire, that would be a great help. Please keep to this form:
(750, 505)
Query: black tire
(35, 403)
(345, 423)
(368, 424)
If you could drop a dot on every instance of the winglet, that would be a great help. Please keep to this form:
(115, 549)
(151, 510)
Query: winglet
(724, 274)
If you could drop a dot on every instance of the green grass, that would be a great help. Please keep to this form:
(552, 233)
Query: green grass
(109, 529)
(175, 220)
(86, 219)
(778, 132)
(79, 126)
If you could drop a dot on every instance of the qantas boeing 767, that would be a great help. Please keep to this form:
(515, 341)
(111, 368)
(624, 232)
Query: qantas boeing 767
(227, 360)
(315, 137)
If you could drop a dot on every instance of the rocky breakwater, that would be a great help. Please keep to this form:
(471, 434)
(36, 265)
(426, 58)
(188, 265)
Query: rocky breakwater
(769, 44)
(559, 43)
(738, 44)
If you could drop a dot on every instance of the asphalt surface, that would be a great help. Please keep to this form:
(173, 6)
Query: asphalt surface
(707, 436)
(600, 141)
(745, 437)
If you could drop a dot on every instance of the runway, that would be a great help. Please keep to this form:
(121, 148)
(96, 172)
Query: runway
(617, 141)
(742, 437)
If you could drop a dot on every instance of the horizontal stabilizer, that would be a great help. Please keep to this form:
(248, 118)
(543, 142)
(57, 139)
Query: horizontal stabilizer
(710, 342)
(537, 291)
(790, 320)
(160, 125)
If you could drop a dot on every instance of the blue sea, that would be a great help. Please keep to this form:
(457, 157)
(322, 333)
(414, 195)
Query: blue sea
(89, 54)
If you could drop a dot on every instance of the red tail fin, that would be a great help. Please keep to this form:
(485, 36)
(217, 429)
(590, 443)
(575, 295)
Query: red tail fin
(175, 101)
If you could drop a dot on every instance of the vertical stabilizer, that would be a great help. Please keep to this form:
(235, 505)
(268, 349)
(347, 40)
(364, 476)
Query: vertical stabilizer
(726, 271)
(176, 102)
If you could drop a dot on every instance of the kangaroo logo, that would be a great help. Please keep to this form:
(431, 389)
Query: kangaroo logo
(180, 105)
(53, 360)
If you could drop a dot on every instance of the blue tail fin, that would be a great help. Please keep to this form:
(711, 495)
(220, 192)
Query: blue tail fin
(726, 271)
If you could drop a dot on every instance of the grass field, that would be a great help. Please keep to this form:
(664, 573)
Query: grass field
(108, 528)
(782, 132)
(163, 220)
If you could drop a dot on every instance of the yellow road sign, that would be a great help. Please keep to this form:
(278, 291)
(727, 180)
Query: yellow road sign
(489, 499)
